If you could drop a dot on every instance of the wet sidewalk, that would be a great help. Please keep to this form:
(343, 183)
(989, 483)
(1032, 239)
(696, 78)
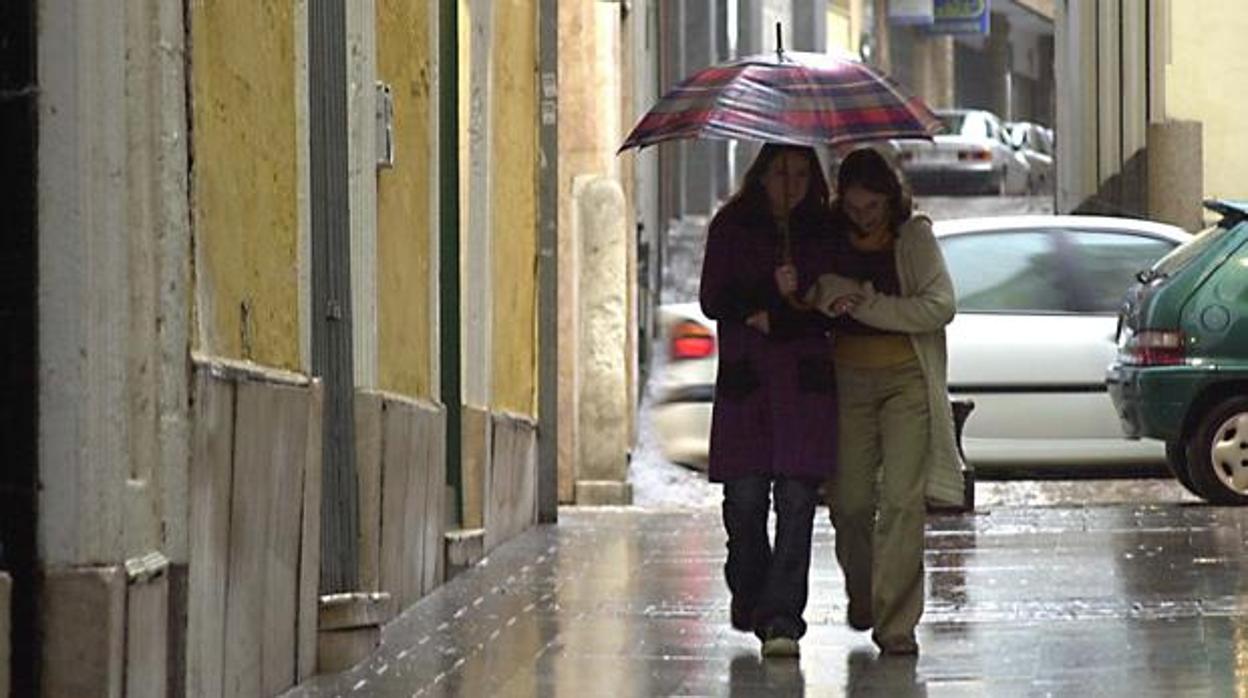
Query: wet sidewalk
(1148, 600)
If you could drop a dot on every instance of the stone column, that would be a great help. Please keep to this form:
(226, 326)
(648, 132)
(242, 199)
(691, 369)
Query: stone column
(933, 69)
(602, 449)
(1175, 173)
(701, 158)
(810, 25)
(998, 54)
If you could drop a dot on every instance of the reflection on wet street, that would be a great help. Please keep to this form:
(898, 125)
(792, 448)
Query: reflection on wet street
(1079, 492)
(1124, 600)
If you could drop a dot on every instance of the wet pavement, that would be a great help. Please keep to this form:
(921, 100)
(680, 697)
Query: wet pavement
(1100, 600)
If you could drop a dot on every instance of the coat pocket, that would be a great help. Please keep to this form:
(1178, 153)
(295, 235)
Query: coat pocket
(737, 379)
(816, 374)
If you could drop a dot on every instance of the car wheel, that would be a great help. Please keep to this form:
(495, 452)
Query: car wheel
(1176, 461)
(1217, 453)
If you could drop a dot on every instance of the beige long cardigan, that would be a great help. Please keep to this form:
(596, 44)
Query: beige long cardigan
(925, 306)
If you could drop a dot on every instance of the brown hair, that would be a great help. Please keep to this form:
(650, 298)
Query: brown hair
(869, 169)
(753, 196)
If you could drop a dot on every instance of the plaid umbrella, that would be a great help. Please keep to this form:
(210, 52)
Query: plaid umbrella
(786, 97)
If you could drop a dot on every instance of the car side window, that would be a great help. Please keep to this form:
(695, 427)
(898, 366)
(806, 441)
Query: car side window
(1108, 262)
(1006, 272)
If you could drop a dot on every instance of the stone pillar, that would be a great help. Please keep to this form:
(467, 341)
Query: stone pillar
(999, 66)
(880, 30)
(700, 157)
(84, 632)
(1175, 173)
(810, 25)
(602, 446)
(933, 68)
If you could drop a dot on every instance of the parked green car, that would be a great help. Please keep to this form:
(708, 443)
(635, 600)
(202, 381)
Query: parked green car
(1182, 369)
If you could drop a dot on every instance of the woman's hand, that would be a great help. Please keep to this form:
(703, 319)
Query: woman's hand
(759, 322)
(846, 304)
(786, 279)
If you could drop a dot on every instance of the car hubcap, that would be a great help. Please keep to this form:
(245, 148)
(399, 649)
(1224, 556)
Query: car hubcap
(1229, 453)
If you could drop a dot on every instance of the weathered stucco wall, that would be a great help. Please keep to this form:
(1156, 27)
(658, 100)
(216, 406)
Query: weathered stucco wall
(1205, 82)
(513, 184)
(405, 220)
(244, 180)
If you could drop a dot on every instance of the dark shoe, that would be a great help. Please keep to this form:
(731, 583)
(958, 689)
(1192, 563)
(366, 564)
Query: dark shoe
(858, 618)
(778, 645)
(898, 647)
(742, 618)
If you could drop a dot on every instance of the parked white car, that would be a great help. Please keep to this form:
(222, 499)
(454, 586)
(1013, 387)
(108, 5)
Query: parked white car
(1034, 334)
(1035, 143)
(1038, 298)
(973, 156)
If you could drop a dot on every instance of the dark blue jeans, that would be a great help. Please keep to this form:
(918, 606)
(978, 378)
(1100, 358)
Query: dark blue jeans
(769, 584)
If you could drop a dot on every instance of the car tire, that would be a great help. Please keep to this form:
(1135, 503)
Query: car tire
(1217, 453)
(1176, 461)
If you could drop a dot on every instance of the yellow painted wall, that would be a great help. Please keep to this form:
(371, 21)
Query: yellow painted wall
(404, 218)
(1206, 79)
(513, 120)
(244, 179)
(840, 37)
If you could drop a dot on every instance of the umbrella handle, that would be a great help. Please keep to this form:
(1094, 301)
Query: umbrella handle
(786, 258)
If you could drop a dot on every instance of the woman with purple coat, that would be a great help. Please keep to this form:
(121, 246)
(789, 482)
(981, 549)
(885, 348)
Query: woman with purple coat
(772, 433)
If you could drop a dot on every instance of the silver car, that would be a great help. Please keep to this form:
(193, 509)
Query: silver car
(1034, 333)
(1035, 143)
(973, 156)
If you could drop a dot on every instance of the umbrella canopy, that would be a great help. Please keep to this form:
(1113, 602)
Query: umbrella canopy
(786, 97)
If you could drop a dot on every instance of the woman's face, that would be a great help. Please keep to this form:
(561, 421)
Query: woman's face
(868, 210)
(786, 181)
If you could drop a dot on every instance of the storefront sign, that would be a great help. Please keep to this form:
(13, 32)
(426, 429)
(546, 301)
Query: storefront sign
(911, 12)
(960, 17)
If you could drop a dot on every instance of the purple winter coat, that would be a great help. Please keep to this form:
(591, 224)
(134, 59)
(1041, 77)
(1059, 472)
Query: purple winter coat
(775, 394)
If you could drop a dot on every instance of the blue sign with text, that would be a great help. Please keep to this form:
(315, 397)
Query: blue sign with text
(960, 17)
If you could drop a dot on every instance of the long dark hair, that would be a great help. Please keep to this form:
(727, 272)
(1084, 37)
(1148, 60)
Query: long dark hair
(869, 169)
(752, 196)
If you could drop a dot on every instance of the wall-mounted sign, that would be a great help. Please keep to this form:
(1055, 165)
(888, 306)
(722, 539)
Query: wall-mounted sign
(911, 12)
(960, 17)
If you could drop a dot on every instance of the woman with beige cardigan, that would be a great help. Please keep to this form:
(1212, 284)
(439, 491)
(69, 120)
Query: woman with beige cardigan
(892, 297)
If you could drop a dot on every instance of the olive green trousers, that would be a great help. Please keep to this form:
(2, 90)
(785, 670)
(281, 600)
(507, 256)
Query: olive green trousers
(876, 499)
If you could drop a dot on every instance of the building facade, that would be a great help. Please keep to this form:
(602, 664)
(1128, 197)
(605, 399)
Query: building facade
(282, 326)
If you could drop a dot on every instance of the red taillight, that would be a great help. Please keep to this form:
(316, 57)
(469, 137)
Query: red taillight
(977, 155)
(1155, 348)
(690, 340)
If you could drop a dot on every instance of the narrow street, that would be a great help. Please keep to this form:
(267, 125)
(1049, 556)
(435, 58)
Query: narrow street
(1126, 600)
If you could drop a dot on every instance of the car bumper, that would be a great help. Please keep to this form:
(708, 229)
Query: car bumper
(682, 422)
(937, 178)
(1013, 455)
(1153, 401)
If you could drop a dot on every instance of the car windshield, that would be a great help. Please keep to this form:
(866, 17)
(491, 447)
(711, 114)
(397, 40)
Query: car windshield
(1188, 251)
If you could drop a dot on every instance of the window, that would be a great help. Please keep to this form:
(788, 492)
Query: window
(952, 121)
(1189, 250)
(1006, 272)
(1108, 262)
